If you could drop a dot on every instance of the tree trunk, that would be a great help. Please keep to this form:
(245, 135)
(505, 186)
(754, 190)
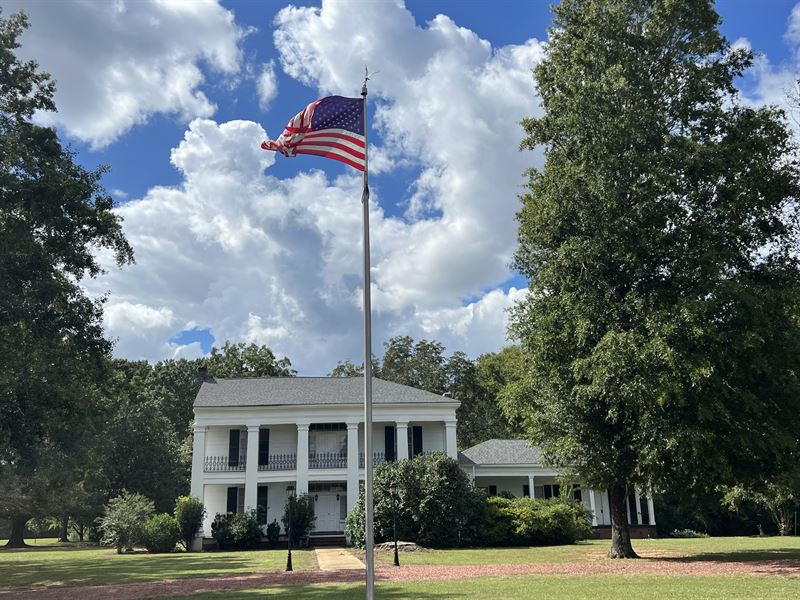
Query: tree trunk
(17, 537)
(620, 531)
(63, 529)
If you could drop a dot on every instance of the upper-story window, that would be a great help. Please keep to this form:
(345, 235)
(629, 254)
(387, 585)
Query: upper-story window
(327, 438)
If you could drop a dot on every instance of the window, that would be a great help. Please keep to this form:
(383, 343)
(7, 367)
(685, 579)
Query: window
(492, 490)
(551, 491)
(233, 447)
(342, 507)
(576, 493)
(263, 447)
(526, 491)
(261, 505)
(414, 441)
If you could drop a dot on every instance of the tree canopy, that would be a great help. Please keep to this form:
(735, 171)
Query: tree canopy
(660, 333)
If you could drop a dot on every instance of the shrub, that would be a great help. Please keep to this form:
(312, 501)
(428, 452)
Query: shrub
(529, 522)
(221, 530)
(236, 531)
(123, 520)
(303, 518)
(160, 534)
(273, 532)
(245, 530)
(687, 533)
(189, 512)
(438, 506)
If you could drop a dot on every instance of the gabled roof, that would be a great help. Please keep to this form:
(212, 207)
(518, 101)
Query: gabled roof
(299, 391)
(501, 452)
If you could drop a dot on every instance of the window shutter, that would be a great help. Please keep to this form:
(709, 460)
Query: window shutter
(263, 447)
(233, 499)
(526, 491)
(417, 440)
(389, 442)
(262, 505)
(493, 490)
(233, 448)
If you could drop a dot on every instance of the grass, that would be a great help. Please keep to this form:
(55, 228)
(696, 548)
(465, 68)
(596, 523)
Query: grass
(590, 587)
(67, 564)
(712, 548)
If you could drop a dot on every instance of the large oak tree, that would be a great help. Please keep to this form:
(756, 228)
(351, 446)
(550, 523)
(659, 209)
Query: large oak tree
(660, 332)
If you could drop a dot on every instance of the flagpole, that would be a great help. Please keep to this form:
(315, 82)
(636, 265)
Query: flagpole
(369, 537)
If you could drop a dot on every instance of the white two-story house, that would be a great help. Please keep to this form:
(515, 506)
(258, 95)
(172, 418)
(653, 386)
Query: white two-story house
(254, 438)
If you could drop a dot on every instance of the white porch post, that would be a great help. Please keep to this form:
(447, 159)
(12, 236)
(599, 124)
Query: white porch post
(592, 505)
(628, 505)
(530, 486)
(651, 513)
(302, 458)
(251, 468)
(352, 465)
(450, 439)
(402, 439)
(638, 500)
(198, 460)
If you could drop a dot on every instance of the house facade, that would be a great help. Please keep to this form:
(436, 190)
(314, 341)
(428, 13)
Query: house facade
(255, 438)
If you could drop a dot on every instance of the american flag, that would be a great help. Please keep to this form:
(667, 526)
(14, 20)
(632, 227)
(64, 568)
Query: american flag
(332, 127)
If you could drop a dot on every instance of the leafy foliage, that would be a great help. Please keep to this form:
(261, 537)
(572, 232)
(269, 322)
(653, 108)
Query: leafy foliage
(438, 506)
(301, 510)
(273, 532)
(231, 530)
(189, 513)
(660, 334)
(778, 498)
(530, 522)
(54, 215)
(124, 519)
(160, 534)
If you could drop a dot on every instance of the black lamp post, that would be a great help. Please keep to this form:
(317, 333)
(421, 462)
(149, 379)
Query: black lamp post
(290, 496)
(394, 496)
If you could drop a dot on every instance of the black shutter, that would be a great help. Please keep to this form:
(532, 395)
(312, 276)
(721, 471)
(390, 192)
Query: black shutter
(548, 492)
(389, 442)
(261, 505)
(233, 448)
(233, 499)
(417, 440)
(556, 490)
(493, 490)
(263, 447)
(526, 491)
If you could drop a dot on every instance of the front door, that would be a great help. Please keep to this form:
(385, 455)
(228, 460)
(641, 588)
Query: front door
(326, 508)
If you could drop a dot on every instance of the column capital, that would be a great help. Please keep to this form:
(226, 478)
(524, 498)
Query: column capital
(252, 428)
(199, 428)
(351, 426)
(401, 424)
(450, 424)
(303, 426)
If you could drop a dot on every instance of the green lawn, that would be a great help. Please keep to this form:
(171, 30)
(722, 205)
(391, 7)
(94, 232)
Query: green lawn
(590, 587)
(720, 548)
(89, 565)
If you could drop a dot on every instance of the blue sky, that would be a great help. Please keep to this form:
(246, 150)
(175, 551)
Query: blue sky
(234, 244)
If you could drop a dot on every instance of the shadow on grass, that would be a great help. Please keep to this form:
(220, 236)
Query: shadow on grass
(332, 592)
(737, 556)
(121, 569)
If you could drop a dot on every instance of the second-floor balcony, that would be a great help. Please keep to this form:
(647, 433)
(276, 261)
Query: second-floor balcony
(327, 460)
(377, 457)
(274, 462)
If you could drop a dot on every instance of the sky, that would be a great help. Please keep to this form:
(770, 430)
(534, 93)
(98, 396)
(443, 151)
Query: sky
(234, 243)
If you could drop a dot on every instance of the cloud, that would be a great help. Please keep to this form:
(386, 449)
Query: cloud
(255, 257)
(118, 63)
(267, 85)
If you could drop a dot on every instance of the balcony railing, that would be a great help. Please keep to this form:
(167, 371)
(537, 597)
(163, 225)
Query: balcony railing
(225, 463)
(280, 462)
(377, 457)
(327, 460)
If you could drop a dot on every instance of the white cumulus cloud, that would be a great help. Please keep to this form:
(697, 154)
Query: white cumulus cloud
(117, 63)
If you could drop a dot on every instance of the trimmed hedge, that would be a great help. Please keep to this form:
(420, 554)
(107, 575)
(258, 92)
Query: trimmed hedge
(528, 522)
(236, 531)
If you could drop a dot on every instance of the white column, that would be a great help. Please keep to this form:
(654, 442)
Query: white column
(638, 504)
(530, 486)
(651, 513)
(251, 468)
(198, 460)
(592, 505)
(628, 505)
(302, 458)
(450, 439)
(352, 465)
(402, 439)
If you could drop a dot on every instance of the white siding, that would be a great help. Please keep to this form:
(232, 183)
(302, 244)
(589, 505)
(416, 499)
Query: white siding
(217, 440)
(282, 439)
(432, 437)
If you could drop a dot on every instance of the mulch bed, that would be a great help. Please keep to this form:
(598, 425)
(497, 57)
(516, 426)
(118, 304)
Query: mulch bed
(186, 587)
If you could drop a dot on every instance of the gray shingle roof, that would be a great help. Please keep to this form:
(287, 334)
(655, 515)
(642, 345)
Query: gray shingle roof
(501, 452)
(297, 391)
